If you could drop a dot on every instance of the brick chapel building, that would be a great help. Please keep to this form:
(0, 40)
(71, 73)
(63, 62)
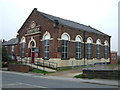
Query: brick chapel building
(64, 42)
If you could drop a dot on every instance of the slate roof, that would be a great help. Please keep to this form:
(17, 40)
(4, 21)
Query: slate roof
(12, 41)
(72, 24)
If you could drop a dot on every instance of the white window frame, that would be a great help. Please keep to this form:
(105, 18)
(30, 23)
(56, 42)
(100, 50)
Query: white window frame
(106, 49)
(79, 41)
(98, 49)
(65, 45)
(46, 41)
(89, 48)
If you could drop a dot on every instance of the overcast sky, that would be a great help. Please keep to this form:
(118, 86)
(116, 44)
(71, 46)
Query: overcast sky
(100, 14)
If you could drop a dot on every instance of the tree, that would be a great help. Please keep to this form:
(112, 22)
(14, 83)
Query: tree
(4, 54)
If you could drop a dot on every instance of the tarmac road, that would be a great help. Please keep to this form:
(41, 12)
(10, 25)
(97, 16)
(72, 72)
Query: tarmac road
(25, 80)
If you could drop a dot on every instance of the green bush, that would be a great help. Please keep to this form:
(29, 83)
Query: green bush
(38, 71)
(83, 76)
(4, 55)
(80, 76)
(4, 64)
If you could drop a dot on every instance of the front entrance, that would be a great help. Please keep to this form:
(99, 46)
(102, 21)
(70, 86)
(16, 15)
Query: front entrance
(33, 50)
(33, 54)
(32, 47)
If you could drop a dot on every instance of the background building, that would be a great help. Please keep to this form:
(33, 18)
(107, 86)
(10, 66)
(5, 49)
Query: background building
(12, 47)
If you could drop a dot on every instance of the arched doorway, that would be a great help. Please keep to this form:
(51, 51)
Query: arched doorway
(32, 47)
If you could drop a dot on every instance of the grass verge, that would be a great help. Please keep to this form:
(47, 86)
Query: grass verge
(83, 76)
(80, 76)
(34, 70)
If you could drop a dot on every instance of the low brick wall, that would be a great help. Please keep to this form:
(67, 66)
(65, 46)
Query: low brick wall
(104, 74)
(18, 68)
(114, 62)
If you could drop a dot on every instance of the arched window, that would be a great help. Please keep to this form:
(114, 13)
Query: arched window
(78, 40)
(23, 46)
(89, 48)
(65, 41)
(106, 49)
(46, 38)
(98, 48)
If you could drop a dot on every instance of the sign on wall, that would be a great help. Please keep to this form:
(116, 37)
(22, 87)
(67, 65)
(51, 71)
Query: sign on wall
(36, 50)
(33, 28)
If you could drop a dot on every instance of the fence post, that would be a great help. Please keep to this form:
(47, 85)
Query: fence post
(43, 67)
(37, 64)
(56, 65)
(72, 65)
(49, 64)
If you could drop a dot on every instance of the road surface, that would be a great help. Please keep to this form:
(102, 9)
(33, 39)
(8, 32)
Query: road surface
(25, 80)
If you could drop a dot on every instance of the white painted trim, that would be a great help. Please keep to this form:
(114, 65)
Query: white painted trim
(89, 38)
(65, 34)
(23, 39)
(46, 33)
(78, 36)
(48, 39)
(59, 39)
(32, 33)
(106, 43)
(98, 41)
(31, 41)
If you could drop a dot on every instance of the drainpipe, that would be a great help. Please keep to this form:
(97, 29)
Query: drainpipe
(84, 46)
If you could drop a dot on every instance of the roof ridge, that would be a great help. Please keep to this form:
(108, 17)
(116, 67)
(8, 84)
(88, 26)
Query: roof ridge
(63, 18)
(49, 16)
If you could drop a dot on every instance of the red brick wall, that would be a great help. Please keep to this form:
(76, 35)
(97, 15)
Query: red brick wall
(115, 59)
(47, 25)
(18, 68)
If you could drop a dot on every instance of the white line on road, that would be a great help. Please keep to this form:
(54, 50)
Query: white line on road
(12, 84)
(33, 85)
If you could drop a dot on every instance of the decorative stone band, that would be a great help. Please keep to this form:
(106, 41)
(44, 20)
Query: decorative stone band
(82, 42)
(32, 33)
(49, 39)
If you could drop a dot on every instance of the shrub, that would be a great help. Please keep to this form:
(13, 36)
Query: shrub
(4, 55)
(4, 64)
(80, 76)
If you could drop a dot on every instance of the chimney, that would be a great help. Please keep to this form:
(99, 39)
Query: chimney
(4, 41)
(35, 9)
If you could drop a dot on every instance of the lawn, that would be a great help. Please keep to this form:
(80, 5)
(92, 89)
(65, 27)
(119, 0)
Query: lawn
(34, 70)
